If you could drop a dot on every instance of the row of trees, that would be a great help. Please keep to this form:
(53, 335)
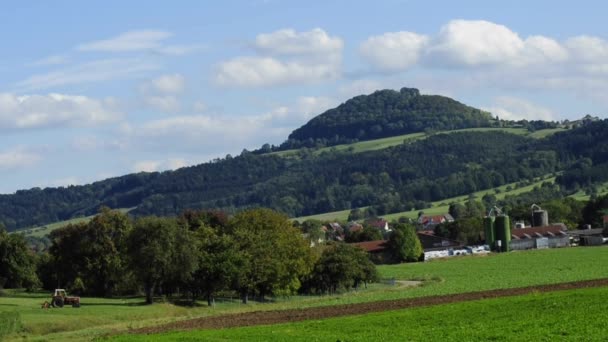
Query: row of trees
(256, 252)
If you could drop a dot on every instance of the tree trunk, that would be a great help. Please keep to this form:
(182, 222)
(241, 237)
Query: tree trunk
(210, 300)
(245, 297)
(149, 291)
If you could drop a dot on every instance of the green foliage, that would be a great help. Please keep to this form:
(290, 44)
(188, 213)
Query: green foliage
(341, 267)
(93, 252)
(404, 244)
(274, 254)
(17, 264)
(385, 113)
(466, 230)
(160, 250)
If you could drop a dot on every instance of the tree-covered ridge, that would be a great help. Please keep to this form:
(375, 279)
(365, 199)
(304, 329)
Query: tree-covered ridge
(385, 113)
(400, 178)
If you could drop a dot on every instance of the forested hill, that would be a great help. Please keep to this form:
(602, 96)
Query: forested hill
(392, 179)
(385, 113)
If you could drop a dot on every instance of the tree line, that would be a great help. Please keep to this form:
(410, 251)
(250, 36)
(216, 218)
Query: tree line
(196, 255)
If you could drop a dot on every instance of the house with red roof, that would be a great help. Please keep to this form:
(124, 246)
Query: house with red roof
(430, 222)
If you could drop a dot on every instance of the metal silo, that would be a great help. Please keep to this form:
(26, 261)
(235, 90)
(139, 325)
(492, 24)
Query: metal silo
(502, 226)
(540, 218)
(488, 226)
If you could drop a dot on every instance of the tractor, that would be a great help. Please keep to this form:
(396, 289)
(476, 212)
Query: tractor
(60, 299)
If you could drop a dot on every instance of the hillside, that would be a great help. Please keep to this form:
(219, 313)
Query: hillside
(393, 175)
(386, 113)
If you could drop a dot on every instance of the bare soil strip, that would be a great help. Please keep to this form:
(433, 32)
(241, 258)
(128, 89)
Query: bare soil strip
(295, 315)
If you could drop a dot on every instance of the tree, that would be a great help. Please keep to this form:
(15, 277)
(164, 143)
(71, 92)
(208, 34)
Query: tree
(155, 247)
(274, 253)
(404, 244)
(92, 252)
(219, 263)
(341, 267)
(466, 230)
(17, 264)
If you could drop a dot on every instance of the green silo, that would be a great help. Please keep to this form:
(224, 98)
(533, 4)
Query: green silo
(502, 226)
(488, 226)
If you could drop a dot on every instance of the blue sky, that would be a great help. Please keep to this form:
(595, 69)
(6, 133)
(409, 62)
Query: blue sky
(90, 90)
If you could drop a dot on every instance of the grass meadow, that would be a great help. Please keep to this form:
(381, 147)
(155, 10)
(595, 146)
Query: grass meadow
(98, 316)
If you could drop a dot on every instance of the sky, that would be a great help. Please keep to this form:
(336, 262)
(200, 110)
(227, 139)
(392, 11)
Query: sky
(91, 90)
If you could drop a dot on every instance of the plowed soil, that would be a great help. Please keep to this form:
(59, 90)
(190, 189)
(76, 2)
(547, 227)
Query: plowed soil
(294, 315)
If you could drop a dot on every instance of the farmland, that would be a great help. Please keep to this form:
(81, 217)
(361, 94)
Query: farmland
(572, 315)
(518, 269)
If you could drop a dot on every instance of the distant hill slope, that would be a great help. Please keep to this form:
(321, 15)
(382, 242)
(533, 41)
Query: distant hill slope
(386, 113)
(396, 177)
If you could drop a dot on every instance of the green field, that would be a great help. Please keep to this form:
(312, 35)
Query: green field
(378, 144)
(437, 207)
(576, 315)
(463, 274)
(41, 231)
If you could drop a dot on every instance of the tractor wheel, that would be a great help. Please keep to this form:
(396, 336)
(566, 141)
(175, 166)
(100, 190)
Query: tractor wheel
(58, 301)
(76, 304)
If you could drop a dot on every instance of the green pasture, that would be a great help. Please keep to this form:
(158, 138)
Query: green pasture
(41, 231)
(575, 315)
(98, 317)
(378, 144)
(438, 207)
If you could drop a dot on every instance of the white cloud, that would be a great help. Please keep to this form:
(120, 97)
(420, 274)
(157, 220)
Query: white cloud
(128, 41)
(513, 108)
(588, 49)
(37, 111)
(290, 42)
(95, 71)
(167, 84)
(17, 158)
(393, 51)
(160, 93)
(288, 57)
(265, 71)
(165, 104)
(539, 49)
(159, 165)
(474, 43)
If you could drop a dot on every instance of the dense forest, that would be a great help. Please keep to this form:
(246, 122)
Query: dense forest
(399, 178)
(385, 113)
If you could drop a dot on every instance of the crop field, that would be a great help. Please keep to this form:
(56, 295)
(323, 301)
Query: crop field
(577, 315)
(439, 207)
(98, 317)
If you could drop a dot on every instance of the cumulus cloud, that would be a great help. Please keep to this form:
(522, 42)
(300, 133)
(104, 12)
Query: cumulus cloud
(17, 158)
(38, 111)
(266, 71)
(513, 108)
(285, 57)
(393, 51)
(474, 42)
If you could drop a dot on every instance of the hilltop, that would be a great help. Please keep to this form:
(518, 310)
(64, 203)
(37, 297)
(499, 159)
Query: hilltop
(383, 114)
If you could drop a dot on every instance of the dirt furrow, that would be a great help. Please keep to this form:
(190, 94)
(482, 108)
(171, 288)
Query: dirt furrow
(295, 315)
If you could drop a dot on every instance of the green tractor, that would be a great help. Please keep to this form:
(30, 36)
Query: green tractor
(60, 299)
